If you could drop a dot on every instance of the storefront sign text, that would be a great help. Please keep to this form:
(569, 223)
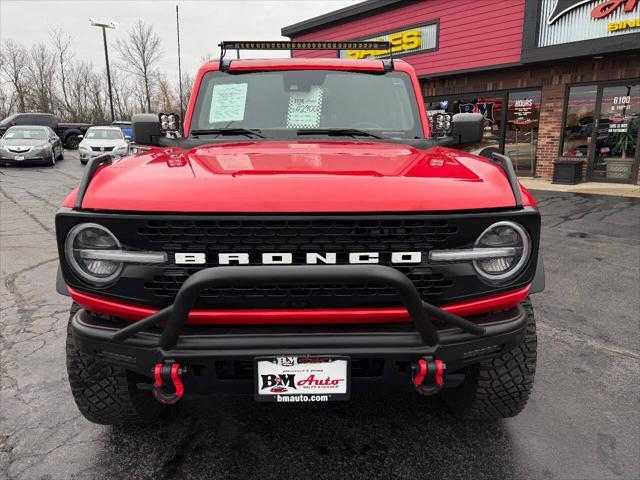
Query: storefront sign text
(403, 42)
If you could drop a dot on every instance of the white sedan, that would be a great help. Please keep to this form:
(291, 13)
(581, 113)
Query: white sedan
(100, 140)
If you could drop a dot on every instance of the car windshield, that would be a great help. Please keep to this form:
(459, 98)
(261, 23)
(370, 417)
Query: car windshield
(25, 133)
(9, 119)
(289, 101)
(104, 134)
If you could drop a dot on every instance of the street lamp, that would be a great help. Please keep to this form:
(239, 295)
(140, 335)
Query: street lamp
(104, 26)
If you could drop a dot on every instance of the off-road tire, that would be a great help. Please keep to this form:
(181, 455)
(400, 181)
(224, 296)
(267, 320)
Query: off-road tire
(498, 387)
(104, 393)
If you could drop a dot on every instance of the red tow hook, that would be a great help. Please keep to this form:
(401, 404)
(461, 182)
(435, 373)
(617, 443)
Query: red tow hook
(168, 387)
(428, 375)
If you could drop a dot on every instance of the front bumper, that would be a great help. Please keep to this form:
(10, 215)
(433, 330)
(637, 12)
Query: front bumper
(40, 157)
(219, 358)
(88, 155)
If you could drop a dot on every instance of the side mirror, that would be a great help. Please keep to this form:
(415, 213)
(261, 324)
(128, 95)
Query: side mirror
(146, 128)
(80, 137)
(467, 128)
(127, 138)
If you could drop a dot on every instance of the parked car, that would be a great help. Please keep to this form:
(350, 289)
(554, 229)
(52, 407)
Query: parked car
(299, 244)
(100, 140)
(125, 126)
(67, 132)
(30, 144)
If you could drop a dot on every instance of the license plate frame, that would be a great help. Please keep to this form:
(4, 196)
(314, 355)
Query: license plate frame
(310, 365)
(18, 158)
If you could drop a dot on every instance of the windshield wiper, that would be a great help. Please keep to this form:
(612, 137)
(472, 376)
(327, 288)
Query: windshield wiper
(338, 132)
(229, 131)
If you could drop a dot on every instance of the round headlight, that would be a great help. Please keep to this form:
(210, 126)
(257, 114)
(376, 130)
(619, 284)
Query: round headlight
(503, 235)
(87, 237)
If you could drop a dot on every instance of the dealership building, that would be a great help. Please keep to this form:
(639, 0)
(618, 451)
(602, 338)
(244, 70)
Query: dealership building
(558, 81)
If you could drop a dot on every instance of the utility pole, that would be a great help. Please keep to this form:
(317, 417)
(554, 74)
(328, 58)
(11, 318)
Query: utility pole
(104, 26)
(179, 70)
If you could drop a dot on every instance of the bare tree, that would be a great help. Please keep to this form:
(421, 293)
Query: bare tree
(14, 65)
(166, 97)
(187, 87)
(62, 48)
(123, 98)
(41, 70)
(140, 53)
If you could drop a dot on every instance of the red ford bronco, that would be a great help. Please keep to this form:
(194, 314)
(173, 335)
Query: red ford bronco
(300, 238)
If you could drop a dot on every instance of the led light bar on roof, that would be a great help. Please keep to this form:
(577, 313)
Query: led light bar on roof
(305, 45)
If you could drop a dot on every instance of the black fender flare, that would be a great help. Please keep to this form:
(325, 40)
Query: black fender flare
(61, 286)
(538, 283)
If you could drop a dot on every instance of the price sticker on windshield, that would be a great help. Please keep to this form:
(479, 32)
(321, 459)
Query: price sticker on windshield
(228, 102)
(305, 108)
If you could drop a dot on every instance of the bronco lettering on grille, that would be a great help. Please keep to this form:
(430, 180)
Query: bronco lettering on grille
(286, 258)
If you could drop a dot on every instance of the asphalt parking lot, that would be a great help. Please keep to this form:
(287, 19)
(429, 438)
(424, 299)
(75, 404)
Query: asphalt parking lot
(582, 422)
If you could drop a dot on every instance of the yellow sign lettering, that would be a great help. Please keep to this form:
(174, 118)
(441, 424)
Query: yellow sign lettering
(404, 41)
(624, 25)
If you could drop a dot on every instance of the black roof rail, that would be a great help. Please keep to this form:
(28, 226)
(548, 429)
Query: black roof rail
(504, 162)
(92, 167)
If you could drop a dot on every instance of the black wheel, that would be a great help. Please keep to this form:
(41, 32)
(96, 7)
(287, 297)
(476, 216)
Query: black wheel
(61, 154)
(72, 142)
(499, 387)
(104, 393)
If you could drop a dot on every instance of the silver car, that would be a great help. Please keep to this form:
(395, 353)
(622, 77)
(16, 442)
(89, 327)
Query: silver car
(24, 144)
(100, 140)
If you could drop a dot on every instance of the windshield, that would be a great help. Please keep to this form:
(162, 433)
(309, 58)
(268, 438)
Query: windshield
(25, 133)
(9, 119)
(288, 101)
(104, 134)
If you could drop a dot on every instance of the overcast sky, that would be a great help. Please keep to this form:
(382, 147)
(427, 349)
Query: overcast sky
(203, 24)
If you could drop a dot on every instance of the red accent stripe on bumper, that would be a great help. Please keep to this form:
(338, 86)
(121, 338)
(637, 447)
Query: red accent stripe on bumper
(291, 317)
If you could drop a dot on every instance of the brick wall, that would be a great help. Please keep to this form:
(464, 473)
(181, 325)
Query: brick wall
(552, 102)
(552, 79)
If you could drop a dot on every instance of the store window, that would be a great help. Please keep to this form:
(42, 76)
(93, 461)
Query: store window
(521, 130)
(578, 125)
(489, 106)
(616, 144)
(602, 126)
(513, 130)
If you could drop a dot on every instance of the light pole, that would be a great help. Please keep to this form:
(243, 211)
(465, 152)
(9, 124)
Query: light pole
(104, 26)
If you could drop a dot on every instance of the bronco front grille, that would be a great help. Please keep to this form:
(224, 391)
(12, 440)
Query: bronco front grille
(157, 285)
(297, 237)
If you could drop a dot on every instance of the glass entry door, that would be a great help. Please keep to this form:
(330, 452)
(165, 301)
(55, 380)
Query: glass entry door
(615, 145)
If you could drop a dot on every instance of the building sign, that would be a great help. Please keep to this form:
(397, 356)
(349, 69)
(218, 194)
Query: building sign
(485, 108)
(565, 21)
(419, 39)
(522, 110)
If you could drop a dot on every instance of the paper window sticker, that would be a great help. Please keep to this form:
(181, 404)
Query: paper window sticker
(305, 108)
(228, 102)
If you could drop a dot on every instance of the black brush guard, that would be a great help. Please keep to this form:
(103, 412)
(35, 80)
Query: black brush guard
(176, 315)
(142, 347)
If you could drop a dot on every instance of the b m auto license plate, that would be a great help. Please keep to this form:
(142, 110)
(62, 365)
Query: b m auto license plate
(19, 157)
(297, 379)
